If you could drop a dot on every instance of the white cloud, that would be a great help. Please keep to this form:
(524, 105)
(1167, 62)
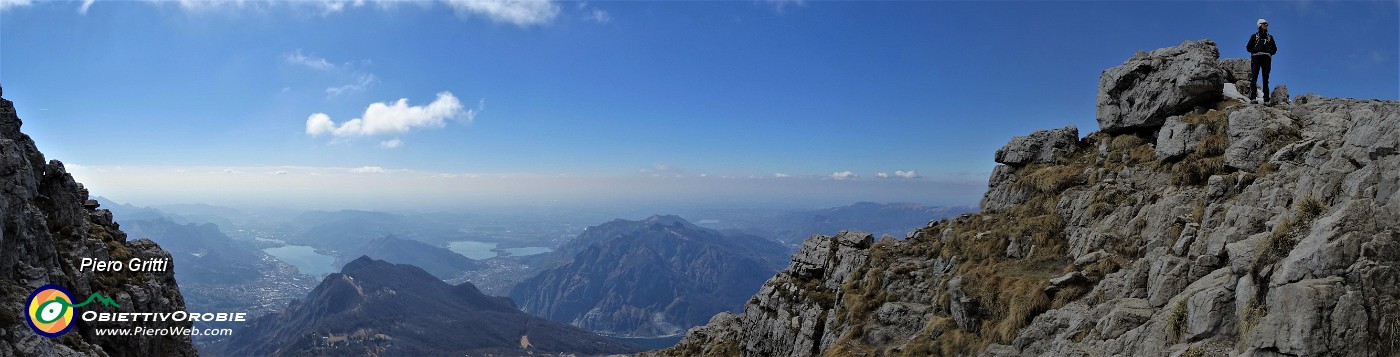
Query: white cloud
(659, 170)
(843, 175)
(395, 143)
(906, 174)
(521, 13)
(281, 172)
(368, 170)
(312, 62)
(209, 5)
(361, 83)
(781, 175)
(83, 9)
(7, 4)
(882, 175)
(233, 172)
(782, 5)
(599, 16)
(333, 6)
(390, 119)
(318, 124)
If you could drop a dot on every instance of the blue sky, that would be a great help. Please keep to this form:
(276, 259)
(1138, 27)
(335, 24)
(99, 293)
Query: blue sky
(489, 101)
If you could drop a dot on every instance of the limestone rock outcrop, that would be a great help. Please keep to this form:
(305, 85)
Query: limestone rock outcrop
(1151, 86)
(1040, 147)
(1233, 229)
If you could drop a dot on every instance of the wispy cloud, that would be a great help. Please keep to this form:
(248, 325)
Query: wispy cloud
(362, 82)
(333, 6)
(599, 16)
(663, 170)
(843, 175)
(359, 80)
(781, 6)
(8, 4)
(368, 170)
(87, 4)
(312, 62)
(781, 175)
(523, 13)
(911, 174)
(393, 118)
(394, 143)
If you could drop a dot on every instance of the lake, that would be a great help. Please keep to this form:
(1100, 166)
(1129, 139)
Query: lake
(487, 250)
(305, 258)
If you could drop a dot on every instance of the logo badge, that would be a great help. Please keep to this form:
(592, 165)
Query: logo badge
(51, 311)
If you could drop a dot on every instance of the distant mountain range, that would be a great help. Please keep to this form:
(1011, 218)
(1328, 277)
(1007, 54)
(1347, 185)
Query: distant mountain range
(441, 262)
(203, 253)
(376, 308)
(895, 219)
(342, 230)
(218, 273)
(653, 277)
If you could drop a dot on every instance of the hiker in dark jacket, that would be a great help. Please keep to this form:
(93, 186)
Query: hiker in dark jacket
(1261, 49)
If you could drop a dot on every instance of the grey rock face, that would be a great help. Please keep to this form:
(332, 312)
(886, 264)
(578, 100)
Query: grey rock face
(47, 233)
(1178, 138)
(1236, 69)
(963, 309)
(1142, 92)
(1252, 132)
(1001, 193)
(1043, 146)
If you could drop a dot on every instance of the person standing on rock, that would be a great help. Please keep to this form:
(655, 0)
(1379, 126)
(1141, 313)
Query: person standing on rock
(1261, 49)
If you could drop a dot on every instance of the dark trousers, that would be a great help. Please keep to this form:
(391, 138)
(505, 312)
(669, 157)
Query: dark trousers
(1256, 64)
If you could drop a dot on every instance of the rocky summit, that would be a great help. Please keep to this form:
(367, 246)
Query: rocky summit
(1190, 224)
(48, 230)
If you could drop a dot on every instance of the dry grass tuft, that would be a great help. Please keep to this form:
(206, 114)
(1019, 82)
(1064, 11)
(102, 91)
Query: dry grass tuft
(1051, 179)
(1176, 322)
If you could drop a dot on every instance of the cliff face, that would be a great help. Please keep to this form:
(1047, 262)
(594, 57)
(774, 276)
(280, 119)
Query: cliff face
(1191, 224)
(46, 232)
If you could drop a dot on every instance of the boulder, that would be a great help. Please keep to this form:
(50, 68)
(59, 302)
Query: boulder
(1279, 95)
(1142, 92)
(1070, 278)
(1044, 146)
(964, 309)
(1236, 69)
(1177, 138)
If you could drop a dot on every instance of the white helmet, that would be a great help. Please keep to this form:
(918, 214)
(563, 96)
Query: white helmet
(1261, 22)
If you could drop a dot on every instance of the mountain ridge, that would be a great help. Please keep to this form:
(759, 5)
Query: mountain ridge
(1190, 224)
(648, 278)
(381, 308)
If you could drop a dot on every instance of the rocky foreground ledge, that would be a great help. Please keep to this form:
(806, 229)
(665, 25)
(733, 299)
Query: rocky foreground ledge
(1189, 225)
(47, 231)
